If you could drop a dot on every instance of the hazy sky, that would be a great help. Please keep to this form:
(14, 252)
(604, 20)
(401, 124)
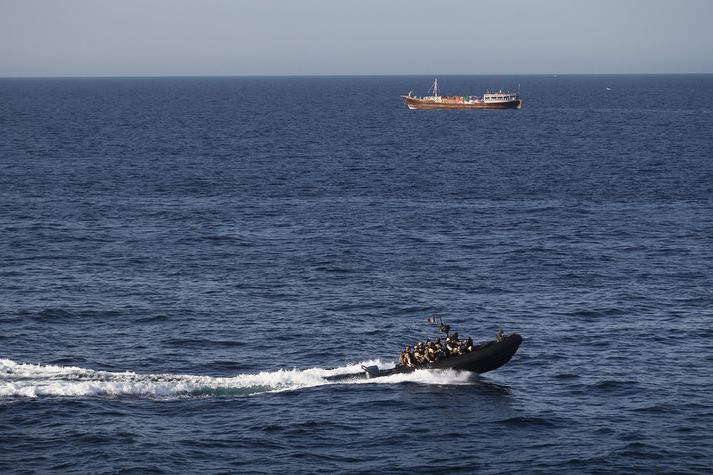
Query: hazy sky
(274, 37)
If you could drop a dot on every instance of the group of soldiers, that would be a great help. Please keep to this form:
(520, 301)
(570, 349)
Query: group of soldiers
(425, 353)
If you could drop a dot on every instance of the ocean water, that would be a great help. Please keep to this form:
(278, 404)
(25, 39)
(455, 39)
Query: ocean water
(184, 260)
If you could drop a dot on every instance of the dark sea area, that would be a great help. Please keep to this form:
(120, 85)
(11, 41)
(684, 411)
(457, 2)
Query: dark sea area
(183, 261)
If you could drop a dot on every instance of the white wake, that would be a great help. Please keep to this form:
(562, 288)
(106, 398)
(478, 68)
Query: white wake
(34, 380)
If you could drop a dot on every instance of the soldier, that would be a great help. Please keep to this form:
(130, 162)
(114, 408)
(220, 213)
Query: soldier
(430, 354)
(447, 347)
(500, 336)
(439, 348)
(453, 346)
(418, 353)
(402, 358)
(408, 357)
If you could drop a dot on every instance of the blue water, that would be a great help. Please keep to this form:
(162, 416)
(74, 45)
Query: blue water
(184, 260)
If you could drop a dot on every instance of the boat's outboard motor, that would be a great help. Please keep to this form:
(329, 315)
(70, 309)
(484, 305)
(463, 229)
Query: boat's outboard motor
(371, 371)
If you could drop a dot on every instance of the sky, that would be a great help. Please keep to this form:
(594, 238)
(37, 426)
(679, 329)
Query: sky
(353, 37)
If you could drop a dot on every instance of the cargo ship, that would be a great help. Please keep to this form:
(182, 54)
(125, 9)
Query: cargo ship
(489, 100)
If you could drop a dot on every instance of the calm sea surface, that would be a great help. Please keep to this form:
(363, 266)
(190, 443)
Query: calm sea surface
(183, 261)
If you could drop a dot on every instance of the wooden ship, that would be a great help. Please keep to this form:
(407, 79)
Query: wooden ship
(489, 100)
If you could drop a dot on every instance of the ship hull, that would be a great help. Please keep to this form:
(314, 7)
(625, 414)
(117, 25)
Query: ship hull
(424, 104)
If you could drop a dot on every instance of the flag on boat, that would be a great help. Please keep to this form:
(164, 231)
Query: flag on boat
(431, 319)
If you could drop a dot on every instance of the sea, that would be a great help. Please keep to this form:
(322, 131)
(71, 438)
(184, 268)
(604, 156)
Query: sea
(185, 260)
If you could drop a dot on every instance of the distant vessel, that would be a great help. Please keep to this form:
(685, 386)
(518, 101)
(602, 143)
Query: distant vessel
(489, 100)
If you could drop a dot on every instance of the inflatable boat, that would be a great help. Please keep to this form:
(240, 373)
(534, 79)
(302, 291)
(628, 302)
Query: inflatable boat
(485, 357)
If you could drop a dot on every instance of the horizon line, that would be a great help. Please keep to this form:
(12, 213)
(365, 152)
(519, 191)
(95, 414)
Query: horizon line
(158, 76)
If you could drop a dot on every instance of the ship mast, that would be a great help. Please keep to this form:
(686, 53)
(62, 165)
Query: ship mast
(434, 88)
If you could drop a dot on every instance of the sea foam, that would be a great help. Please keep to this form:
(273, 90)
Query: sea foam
(34, 380)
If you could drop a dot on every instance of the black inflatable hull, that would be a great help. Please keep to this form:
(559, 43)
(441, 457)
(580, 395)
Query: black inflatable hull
(487, 357)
